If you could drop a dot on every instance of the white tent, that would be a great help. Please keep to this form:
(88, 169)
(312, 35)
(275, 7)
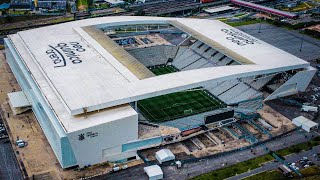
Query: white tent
(164, 155)
(305, 123)
(154, 172)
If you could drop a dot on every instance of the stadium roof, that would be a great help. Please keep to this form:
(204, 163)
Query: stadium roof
(72, 68)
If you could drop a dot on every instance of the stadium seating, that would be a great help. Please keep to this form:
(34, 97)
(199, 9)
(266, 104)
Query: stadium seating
(224, 61)
(208, 54)
(186, 61)
(233, 92)
(223, 87)
(248, 79)
(259, 83)
(186, 54)
(215, 59)
(195, 56)
(181, 50)
(248, 94)
(234, 63)
(195, 65)
(209, 64)
(195, 45)
(154, 55)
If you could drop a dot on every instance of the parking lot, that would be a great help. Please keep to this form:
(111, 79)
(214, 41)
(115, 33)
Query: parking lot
(287, 40)
(9, 168)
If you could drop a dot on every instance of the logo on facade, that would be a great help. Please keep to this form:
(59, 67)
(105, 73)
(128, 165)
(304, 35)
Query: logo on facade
(81, 137)
(238, 37)
(65, 53)
(88, 135)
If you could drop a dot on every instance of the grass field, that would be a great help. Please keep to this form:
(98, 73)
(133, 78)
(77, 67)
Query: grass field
(242, 23)
(235, 169)
(312, 172)
(176, 105)
(255, 163)
(266, 175)
(159, 70)
(299, 147)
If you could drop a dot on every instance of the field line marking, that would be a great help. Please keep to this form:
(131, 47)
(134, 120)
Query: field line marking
(147, 111)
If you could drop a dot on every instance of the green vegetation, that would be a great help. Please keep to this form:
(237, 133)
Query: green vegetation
(267, 175)
(60, 20)
(176, 105)
(255, 163)
(18, 12)
(300, 7)
(235, 169)
(299, 147)
(312, 172)
(240, 14)
(140, 12)
(312, 33)
(242, 23)
(82, 4)
(159, 70)
(292, 26)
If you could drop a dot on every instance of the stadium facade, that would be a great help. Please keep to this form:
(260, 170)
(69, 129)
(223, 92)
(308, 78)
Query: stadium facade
(90, 93)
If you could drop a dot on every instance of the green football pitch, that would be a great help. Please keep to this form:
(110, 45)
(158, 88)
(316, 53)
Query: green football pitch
(176, 105)
(159, 70)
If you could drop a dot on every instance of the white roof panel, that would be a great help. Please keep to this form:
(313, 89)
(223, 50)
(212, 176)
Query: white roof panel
(18, 99)
(303, 121)
(153, 170)
(218, 9)
(164, 154)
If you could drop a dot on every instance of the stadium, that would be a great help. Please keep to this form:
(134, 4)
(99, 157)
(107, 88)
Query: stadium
(104, 88)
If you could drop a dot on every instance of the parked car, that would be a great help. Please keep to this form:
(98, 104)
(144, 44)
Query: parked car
(21, 143)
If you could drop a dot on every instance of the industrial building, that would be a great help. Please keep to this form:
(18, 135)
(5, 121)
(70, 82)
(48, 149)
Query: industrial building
(94, 85)
(51, 4)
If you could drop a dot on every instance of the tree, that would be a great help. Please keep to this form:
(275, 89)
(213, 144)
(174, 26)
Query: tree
(141, 12)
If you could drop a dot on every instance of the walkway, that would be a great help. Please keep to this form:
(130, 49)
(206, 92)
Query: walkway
(274, 165)
(207, 165)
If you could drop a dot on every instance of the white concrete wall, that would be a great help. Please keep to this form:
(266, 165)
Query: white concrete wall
(298, 83)
(106, 146)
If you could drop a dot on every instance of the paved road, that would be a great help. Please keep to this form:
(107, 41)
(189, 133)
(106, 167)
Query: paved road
(274, 165)
(9, 169)
(199, 167)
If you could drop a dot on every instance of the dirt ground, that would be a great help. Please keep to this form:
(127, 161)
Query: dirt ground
(280, 123)
(315, 27)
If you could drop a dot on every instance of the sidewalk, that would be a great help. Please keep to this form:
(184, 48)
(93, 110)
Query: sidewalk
(272, 165)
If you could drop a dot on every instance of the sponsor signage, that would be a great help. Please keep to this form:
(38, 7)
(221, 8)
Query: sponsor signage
(89, 134)
(64, 54)
(239, 38)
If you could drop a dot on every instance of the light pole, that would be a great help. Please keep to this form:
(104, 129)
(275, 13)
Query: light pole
(302, 39)
(260, 26)
(260, 23)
